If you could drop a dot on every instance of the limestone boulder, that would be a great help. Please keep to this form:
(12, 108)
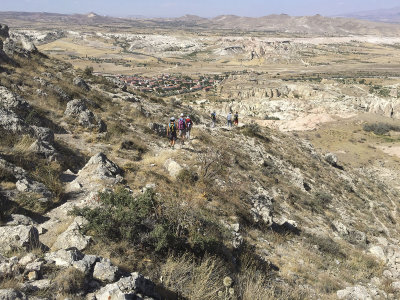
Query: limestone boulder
(98, 172)
(262, 209)
(360, 292)
(16, 220)
(105, 271)
(64, 258)
(331, 159)
(10, 294)
(72, 237)
(136, 286)
(79, 82)
(77, 109)
(17, 237)
(172, 167)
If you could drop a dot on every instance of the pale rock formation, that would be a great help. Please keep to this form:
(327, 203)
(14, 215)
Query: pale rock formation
(135, 286)
(15, 237)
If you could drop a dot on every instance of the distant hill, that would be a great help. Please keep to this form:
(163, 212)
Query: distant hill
(382, 15)
(315, 25)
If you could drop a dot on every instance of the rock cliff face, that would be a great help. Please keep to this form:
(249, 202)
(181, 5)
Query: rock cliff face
(255, 97)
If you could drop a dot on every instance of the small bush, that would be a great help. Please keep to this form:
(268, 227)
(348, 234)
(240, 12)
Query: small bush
(194, 280)
(5, 207)
(266, 117)
(30, 201)
(187, 176)
(49, 174)
(251, 130)
(88, 71)
(70, 281)
(6, 175)
(380, 128)
(326, 245)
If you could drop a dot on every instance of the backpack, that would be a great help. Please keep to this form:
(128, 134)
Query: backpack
(213, 116)
(172, 127)
(188, 123)
(181, 124)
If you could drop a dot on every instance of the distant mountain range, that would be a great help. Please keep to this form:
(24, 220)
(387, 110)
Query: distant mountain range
(315, 25)
(382, 15)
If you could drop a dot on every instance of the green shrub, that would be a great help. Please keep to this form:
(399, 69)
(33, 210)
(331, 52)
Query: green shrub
(187, 176)
(6, 175)
(4, 208)
(380, 128)
(266, 117)
(88, 71)
(326, 245)
(146, 222)
(30, 201)
(251, 130)
(320, 201)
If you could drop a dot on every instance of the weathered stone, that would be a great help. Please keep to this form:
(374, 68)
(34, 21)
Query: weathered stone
(378, 252)
(72, 237)
(33, 275)
(360, 292)
(8, 267)
(77, 109)
(79, 82)
(99, 171)
(135, 286)
(64, 258)
(34, 266)
(262, 209)
(30, 257)
(105, 271)
(37, 285)
(85, 265)
(21, 236)
(396, 286)
(172, 167)
(28, 185)
(10, 121)
(10, 294)
(13, 102)
(331, 159)
(20, 220)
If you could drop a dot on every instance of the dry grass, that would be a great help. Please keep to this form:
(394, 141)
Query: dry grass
(22, 146)
(193, 280)
(69, 281)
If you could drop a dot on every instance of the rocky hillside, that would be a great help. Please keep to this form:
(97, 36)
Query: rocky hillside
(313, 25)
(391, 15)
(95, 205)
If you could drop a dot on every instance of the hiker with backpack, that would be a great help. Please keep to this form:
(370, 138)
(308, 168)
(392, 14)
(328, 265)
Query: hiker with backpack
(229, 119)
(236, 119)
(171, 132)
(213, 119)
(182, 129)
(189, 124)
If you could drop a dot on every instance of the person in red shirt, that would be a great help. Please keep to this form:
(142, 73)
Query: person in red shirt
(189, 124)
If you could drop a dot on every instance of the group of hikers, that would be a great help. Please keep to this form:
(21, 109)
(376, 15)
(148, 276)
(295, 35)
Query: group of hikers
(183, 127)
(229, 118)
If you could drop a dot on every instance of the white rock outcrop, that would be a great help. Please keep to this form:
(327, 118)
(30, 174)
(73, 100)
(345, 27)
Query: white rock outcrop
(16, 237)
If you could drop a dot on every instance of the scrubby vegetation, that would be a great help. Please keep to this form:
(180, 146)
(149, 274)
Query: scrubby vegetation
(146, 222)
(380, 128)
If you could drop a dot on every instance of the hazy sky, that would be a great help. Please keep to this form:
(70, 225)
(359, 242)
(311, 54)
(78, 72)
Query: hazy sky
(205, 8)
